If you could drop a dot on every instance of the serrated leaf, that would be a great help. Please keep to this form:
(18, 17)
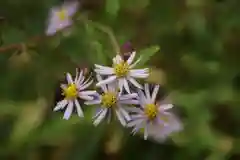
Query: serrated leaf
(112, 7)
(147, 53)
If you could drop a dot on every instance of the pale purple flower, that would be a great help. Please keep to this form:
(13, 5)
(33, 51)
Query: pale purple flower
(61, 17)
(72, 91)
(111, 103)
(122, 72)
(155, 119)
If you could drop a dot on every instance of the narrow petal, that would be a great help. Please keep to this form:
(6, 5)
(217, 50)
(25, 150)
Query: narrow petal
(135, 63)
(142, 98)
(134, 123)
(86, 97)
(93, 102)
(99, 79)
(120, 84)
(147, 92)
(146, 132)
(154, 94)
(100, 117)
(139, 75)
(134, 110)
(125, 84)
(60, 105)
(103, 72)
(80, 78)
(68, 111)
(128, 96)
(79, 109)
(86, 85)
(125, 114)
(69, 78)
(87, 93)
(118, 59)
(135, 83)
(108, 69)
(107, 81)
(130, 102)
(164, 107)
(120, 118)
(130, 59)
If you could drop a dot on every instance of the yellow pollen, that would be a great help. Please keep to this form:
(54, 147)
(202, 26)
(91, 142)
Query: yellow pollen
(121, 69)
(70, 92)
(150, 111)
(62, 14)
(109, 99)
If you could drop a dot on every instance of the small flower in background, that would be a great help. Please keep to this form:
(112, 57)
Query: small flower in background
(72, 91)
(112, 102)
(155, 119)
(61, 17)
(122, 72)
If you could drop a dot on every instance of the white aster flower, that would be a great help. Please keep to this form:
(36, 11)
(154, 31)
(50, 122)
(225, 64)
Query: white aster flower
(61, 17)
(112, 102)
(122, 72)
(72, 91)
(155, 119)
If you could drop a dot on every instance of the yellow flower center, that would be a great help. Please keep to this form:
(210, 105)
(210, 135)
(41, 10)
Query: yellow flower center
(121, 69)
(70, 92)
(62, 14)
(150, 111)
(109, 99)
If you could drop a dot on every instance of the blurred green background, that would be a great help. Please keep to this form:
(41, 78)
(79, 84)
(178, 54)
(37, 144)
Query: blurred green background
(198, 66)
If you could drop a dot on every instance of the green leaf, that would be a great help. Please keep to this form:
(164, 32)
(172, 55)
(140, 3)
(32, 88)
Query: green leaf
(147, 53)
(13, 35)
(112, 7)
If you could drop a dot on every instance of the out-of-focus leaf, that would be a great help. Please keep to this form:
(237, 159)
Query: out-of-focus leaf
(13, 35)
(29, 119)
(146, 54)
(156, 76)
(112, 7)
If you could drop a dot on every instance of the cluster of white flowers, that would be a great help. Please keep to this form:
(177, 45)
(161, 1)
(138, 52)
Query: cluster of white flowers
(123, 97)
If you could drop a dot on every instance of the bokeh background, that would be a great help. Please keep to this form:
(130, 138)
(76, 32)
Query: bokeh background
(198, 67)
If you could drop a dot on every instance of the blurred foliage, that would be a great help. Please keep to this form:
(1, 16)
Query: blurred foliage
(198, 66)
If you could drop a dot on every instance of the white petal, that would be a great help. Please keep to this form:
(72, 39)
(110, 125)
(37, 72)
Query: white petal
(147, 92)
(128, 96)
(125, 84)
(103, 72)
(142, 98)
(80, 78)
(135, 63)
(69, 78)
(104, 87)
(112, 87)
(139, 75)
(154, 94)
(134, 123)
(133, 110)
(120, 84)
(100, 117)
(135, 83)
(130, 59)
(107, 81)
(118, 59)
(140, 71)
(85, 97)
(130, 102)
(87, 93)
(60, 105)
(93, 102)
(120, 118)
(164, 107)
(108, 69)
(68, 111)
(79, 109)
(86, 85)
(146, 132)
(124, 113)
